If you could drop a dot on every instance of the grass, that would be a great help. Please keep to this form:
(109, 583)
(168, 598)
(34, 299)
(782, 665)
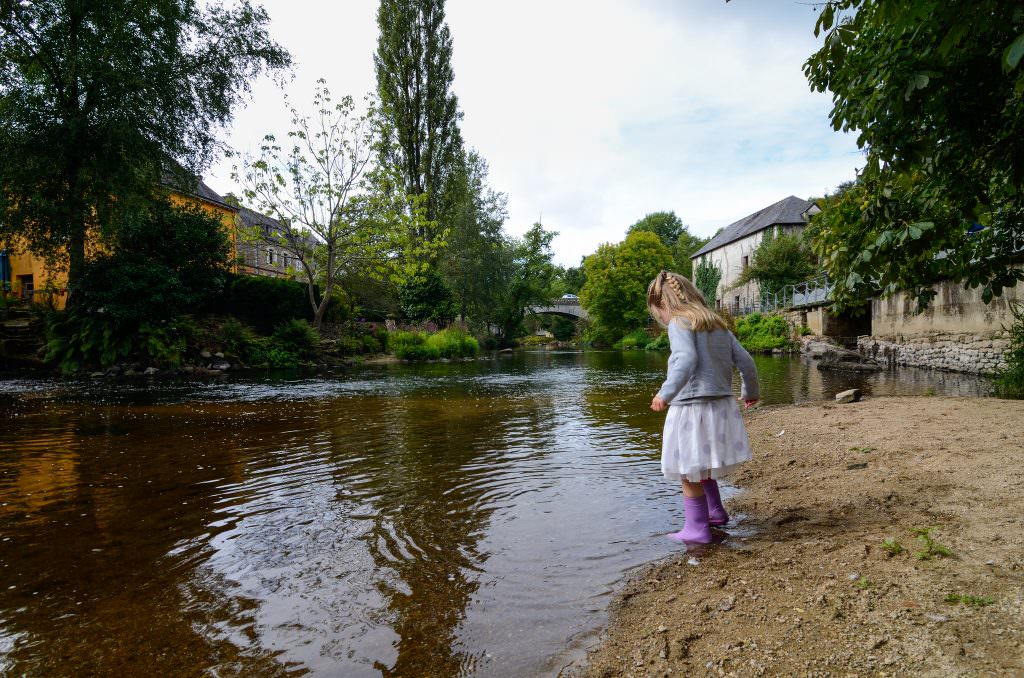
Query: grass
(892, 547)
(969, 600)
(864, 583)
(418, 346)
(930, 549)
(865, 450)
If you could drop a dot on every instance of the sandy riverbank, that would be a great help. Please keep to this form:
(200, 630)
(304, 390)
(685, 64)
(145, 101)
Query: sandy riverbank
(803, 586)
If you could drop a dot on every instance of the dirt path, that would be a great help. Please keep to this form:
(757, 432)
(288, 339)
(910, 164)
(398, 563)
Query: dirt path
(803, 585)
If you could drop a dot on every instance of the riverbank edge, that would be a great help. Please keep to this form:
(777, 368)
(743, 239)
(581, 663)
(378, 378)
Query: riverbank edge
(802, 584)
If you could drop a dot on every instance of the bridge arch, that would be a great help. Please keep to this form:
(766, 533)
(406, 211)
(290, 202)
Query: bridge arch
(567, 308)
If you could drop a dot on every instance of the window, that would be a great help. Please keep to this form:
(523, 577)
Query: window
(746, 262)
(270, 257)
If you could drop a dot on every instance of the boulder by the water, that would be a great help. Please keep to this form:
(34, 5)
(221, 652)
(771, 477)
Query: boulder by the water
(832, 357)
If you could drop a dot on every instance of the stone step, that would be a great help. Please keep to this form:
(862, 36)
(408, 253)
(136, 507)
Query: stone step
(29, 345)
(15, 313)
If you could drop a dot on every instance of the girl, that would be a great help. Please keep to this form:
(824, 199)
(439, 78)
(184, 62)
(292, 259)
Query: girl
(704, 436)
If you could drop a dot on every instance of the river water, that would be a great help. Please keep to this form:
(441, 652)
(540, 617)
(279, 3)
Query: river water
(443, 519)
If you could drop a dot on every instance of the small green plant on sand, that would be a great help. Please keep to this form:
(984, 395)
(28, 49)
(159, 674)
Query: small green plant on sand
(864, 583)
(930, 391)
(865, 450)
(930, 549)
(966, 599)
(892, 547)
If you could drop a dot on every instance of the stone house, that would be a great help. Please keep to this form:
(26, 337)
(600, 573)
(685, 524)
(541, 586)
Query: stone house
(29, 277)
(258, 254)
(732, 249)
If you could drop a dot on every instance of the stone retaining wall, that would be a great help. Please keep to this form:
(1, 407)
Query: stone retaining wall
(957, 332)
(957, 352)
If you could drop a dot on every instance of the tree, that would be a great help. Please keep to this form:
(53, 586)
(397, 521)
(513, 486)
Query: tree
(615, 292)
(98, 98)
(933, 89)
(421, 137)
(574, 277)
(323, 188)
(162, 263)
(427, 297)
(523, 278)
(675, 235)
(779, 260)
(706, 277)
(475, 237)
(666, 225)
(686, 246)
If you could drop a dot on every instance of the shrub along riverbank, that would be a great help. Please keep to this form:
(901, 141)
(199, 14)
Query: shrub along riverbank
(757, 332)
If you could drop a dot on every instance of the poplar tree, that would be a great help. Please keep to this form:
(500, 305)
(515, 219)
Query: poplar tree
(421, 137)
(98, 99)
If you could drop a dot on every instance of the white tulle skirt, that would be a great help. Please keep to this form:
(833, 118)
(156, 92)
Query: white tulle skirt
(704, 439)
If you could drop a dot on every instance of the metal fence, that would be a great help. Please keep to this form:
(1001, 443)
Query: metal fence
(813, 292)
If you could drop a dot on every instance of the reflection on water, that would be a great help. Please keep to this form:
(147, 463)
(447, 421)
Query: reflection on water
(446, 519)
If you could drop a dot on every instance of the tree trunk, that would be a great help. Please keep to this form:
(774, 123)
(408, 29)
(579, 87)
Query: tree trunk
(311, 287)
(76, 260)
(318, 317)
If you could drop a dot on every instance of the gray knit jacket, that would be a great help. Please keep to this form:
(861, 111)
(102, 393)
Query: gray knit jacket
(701, 363)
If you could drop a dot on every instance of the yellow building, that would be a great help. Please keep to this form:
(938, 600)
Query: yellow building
(27, 277)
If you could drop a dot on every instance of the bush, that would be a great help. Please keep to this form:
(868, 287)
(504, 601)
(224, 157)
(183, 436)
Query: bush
(237, 338)
(427, 297)
(76, 341)
(264, 302)
(266, 352)
(633, 340)
(659, 343)
(162, 263)
(298, 337)
(1009, 381)
(450, 343)
(758, 332)
(805, 331)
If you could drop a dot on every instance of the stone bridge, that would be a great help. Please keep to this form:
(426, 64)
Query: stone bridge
(567, 308)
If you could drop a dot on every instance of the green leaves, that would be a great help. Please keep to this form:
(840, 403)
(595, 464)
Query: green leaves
(617, 276)
(932, 90)
(779, 261)
(1013, 54)
(96, 97)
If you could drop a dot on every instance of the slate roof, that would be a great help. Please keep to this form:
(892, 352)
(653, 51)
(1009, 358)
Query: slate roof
(253, 218)
(184, 183)
(786, 211)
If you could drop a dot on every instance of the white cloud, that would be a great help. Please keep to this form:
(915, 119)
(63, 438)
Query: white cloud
(597, 112)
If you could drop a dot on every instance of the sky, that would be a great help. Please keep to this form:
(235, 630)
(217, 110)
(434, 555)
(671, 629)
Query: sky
(594, 113)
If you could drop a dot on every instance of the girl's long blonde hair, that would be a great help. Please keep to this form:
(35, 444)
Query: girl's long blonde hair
(682, 299)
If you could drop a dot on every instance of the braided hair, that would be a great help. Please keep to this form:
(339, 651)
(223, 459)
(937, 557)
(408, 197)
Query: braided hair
(682, 300)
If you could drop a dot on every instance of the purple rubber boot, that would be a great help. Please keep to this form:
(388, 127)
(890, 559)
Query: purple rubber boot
(716, 512)
(695, 529)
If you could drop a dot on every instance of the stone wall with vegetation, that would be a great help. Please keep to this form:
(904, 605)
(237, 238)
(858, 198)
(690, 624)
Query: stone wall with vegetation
(958, 331)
